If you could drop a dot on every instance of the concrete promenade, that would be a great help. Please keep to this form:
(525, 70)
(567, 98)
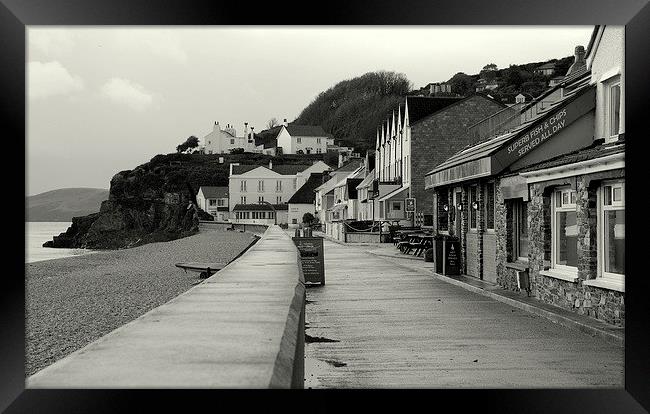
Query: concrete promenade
(380, 324)
(242, 327)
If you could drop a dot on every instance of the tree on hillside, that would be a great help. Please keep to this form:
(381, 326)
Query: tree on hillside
(236, 150)
(462, 83)
(489, 72)
(190, 143)
(353, 108)
(272, 122)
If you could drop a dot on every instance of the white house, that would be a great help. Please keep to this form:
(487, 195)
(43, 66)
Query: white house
(303, 139)
(222, 141)
(303, 200)
(214, 201)
(325, 192)
(255, 184)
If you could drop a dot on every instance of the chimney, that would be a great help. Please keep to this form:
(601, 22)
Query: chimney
(270, 164)
(245, 128)
(216, 126)
(285, 122)
(579, 61)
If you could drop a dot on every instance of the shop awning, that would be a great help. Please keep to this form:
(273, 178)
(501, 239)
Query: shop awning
(394, 193)
(498, 153)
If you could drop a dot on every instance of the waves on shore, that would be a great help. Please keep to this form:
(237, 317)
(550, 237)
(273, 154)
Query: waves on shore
(38, 232)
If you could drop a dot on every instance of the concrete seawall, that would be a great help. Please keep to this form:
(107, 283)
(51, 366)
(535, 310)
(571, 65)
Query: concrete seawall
(241, 328)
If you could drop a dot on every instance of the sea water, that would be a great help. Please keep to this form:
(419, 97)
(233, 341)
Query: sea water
(38, 233)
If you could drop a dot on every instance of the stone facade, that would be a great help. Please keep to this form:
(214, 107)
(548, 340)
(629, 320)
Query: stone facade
(603, 304)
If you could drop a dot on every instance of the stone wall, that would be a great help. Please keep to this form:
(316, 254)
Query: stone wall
(604, 304)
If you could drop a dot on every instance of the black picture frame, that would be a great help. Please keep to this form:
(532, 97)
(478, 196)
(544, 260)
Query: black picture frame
(15, 15)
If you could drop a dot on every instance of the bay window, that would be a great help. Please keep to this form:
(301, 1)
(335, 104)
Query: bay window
(564, 231)
(611, 234)
(612, 119)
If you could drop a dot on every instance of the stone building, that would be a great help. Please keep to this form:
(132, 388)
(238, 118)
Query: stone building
(546, 199)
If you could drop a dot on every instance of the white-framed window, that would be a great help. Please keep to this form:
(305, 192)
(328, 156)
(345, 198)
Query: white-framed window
(260, 198)
(612, 118)
(520, 230)
(489, 205)
(212, 202)
(564, 230)
(242, 199)
(221, 202)
(473, 198)
(611, 231)
(278, 185)
(260, 185)
(298, 140)
(242, 185)
(278, 200)
(232, 142)
(318, 150)
(318, 140)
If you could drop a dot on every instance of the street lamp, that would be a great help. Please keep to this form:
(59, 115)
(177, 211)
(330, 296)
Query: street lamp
(275, 215)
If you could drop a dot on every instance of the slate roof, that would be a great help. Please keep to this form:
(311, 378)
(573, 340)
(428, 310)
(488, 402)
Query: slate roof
(259, 207)
(595, 151)
(547, 65)
(268, 137)
(214, 192)
(351, 165)
(421, 106)
(287, 169)
(306, 130)
(306, 194)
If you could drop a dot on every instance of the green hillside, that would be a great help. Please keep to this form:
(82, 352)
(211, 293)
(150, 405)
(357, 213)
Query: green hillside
(65, 203)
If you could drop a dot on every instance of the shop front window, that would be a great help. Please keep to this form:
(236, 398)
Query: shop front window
(612, 234)
(520, 230)
(565, 228)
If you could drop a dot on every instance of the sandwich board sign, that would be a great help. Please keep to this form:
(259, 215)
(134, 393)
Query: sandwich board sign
(410, 205)
(310, 251)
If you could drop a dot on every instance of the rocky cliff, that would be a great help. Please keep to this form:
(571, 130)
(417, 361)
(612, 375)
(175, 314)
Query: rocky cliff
(147, 204)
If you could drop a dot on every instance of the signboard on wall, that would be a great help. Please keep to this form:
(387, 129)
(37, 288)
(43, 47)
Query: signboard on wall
(524, 143)
(310, 251)
(410, 205)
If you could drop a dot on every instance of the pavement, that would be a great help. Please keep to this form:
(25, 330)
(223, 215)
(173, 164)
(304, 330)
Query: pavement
(384, 321)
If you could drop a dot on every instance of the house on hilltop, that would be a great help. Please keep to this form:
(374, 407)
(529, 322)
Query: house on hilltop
(222, 141)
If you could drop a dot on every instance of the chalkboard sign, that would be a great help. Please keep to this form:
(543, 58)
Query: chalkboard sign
(310, 250)
(452, 258)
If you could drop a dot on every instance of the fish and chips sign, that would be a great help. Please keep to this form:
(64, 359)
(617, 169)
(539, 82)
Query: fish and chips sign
(540, 133)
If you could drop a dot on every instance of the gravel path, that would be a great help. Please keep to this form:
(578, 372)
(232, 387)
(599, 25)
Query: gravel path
(73, 301)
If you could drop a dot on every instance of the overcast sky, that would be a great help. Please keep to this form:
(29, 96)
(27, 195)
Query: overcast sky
(106, 99)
